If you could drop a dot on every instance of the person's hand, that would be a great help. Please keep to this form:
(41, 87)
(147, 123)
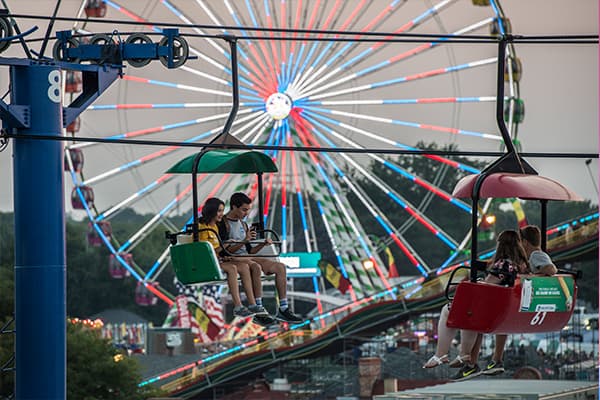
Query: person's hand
(569, 303)
(251, 234)
(268, 241)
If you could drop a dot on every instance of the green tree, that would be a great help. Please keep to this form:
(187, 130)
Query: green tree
(89, 282)
(96, 370)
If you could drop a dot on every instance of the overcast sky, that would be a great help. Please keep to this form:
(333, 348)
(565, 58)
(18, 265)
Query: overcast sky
(559, 86)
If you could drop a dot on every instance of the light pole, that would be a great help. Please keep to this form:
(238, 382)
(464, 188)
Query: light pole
(587, 164)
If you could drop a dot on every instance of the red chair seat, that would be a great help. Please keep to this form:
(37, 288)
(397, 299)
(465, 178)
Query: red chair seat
(490, 308)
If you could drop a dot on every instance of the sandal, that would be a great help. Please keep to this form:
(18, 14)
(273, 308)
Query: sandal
(436, 361)
(459, 361)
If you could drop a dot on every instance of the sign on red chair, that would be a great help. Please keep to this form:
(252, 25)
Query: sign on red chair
(533, 304)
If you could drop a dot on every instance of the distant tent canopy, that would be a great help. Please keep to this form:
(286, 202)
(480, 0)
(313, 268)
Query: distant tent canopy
(226, 161)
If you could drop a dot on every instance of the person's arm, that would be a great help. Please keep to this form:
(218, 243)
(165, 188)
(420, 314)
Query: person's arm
(547, 270)
(233, 247)
(260, 246)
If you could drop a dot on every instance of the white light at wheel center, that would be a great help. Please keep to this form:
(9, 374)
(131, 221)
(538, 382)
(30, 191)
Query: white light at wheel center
(279, 105)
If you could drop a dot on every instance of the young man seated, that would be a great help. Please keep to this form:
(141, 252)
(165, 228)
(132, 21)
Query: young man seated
(233, 228)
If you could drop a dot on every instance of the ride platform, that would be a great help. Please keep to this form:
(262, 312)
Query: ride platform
(515, 389)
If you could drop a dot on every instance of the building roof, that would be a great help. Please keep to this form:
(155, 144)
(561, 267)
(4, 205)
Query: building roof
(119, 316)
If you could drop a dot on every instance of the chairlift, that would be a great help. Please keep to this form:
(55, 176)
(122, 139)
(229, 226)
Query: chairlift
(533, 304)
(196, 261)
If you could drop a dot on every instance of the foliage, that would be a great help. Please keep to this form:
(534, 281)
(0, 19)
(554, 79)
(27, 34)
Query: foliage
(89, 282)
(96, 370)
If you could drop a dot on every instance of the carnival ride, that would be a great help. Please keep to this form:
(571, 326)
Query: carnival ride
(286, 84)
(296, 89)
(344, 326)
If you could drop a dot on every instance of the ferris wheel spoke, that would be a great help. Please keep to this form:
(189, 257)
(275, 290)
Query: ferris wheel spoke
(157, 129)
(259, 77)
(148, 189)
(274, 48)
(254, 94)
(384, 64)
(284, 206)
(183, 17)
(381, 139)
(309, 76)
(408, 78)
(299, 196)
(353, 256)
(391, 121)
(148, 227)
(156, 106)
(158, 266)
(346, 48)
(396, 197)
(337, 232)
(344, 208)
(373, 210)
(255, 126)
(194, 51)
(265, 74)
(401, 171)
(296, 71)
(258, 130)
(157, 154)
(338, 5)
(270, 57)
(420, 100)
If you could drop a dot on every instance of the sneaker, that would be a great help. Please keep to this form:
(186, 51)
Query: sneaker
(467, 372)
(256, 309)
(493, 368)
(242, 312)
(288, 316)
(264, 320)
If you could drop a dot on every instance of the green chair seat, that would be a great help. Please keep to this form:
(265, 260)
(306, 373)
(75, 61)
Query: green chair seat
(196, 262)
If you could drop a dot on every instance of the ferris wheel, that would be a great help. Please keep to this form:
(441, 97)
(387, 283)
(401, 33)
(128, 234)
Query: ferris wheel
(296, 89)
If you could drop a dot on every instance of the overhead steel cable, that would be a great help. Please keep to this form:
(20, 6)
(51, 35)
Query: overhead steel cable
(358, 34)
(302, 148)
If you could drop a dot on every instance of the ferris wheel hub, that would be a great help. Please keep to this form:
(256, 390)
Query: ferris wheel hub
(279, 105)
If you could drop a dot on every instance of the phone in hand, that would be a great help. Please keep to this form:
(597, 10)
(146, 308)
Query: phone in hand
(255, 226)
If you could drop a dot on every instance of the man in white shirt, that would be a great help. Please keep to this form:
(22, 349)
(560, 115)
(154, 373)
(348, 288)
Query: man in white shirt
(540, 262)
(238, 231)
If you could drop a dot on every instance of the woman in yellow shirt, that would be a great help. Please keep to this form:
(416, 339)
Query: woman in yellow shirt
(212, 213)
